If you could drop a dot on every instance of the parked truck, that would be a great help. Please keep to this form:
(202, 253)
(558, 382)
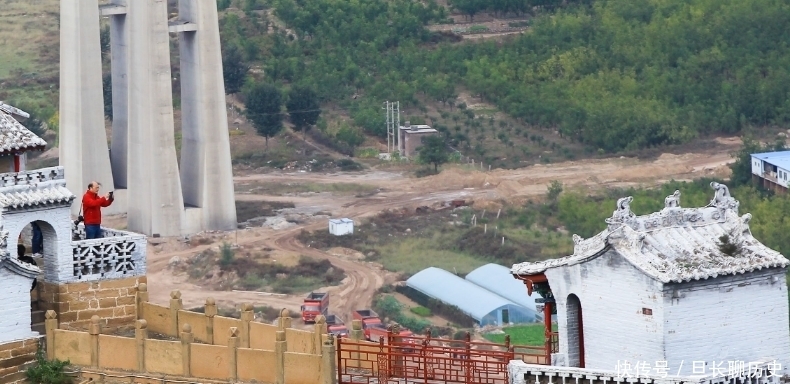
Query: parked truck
(372, 325)
(316, 303)
(335, 326)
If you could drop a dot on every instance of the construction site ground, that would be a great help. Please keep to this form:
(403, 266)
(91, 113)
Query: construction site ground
(382, 189)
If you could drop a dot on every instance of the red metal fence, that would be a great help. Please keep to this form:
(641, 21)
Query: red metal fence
(430, 360)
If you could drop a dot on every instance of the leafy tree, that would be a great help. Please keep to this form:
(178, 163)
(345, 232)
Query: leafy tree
(234, 71)
(554, 190)
(350, 136)
(303, 108)
(107, 90)
(264, 109)
(433, 151)
(223, 4)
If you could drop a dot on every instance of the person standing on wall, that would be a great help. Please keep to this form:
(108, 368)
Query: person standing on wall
(92, 203)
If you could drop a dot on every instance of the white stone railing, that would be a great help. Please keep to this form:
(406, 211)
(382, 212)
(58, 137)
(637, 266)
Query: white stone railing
(117, 254)
(32, 177)
(523, 373)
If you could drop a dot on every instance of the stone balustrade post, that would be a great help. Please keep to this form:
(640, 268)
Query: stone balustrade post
(186, 348)
(284, 321)
(175, 305)
(280, 347)
(140, 334)
(319, 330)
(247, 315)
(94, 329)
(51, 324)
(233, 350)
(141, 297)
(356, 334)
(210, 311)
(328, 359)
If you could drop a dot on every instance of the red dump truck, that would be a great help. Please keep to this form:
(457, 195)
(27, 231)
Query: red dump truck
(369, 320)
(336, 326)
(316, 303)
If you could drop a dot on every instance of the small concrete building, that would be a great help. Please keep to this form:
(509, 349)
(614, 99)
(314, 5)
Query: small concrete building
(16, 279)
(340, 227)
(410, 138)
(689, 287)
(770, 170)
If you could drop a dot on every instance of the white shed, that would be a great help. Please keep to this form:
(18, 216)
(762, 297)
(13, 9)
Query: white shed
(340, 227)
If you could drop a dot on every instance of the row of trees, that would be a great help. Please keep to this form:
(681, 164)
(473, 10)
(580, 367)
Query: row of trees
(264, 104)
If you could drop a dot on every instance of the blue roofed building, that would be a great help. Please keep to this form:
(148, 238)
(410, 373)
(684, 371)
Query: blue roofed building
(486, 307)
(770, 169)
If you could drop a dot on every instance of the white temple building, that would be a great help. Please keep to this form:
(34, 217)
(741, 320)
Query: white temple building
(683, 294)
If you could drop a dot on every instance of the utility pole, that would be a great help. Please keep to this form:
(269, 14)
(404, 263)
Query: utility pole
(393, 126)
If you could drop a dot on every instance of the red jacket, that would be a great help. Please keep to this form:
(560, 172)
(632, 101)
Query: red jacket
(91, 207)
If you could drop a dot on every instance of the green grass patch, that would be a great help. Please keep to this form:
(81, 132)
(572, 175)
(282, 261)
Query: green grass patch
(530, 335)
(420, 311)
(277, 189)
(411, 255)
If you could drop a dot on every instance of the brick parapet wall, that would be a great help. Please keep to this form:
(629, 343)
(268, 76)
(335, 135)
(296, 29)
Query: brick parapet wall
(15, 358)
(75, 303)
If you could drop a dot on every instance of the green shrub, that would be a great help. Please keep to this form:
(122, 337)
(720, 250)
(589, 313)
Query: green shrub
(226, 255)
(48, 371)
(421, 311)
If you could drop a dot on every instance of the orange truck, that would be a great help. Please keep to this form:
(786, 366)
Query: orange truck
(372, 325)
(316, 303)
(336, 326)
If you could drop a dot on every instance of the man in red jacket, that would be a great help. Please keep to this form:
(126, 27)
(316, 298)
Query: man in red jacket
(92, 204)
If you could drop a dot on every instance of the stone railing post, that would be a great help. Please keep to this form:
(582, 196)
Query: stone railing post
(140, 334)
(356, 334)
(280, 348)
(94, 330)
(142, 297)
(51, 324)
(210, 311)
(186, 347)
(319, 330)
(328, 359)
(175, 305)
(247, 315)
(233, 350)
(285, 320)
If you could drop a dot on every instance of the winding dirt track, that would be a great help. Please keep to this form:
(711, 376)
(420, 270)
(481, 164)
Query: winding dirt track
(398, 191)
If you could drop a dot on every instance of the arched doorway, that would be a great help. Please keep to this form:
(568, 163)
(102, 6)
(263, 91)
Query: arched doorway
(575, 331)
(38, 241)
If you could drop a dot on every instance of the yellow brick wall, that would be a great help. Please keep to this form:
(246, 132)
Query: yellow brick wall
(15, 357)
(75, 303)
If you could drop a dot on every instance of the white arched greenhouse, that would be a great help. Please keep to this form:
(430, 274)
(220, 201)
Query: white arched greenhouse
(486, 307)
(497, 279)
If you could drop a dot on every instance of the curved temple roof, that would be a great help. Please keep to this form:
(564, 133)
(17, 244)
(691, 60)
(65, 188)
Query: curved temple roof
(14, 137)
(675, 244)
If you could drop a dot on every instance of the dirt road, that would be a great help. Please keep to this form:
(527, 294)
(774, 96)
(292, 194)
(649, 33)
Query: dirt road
(397, 190)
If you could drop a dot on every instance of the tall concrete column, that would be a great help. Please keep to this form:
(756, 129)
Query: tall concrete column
(153, 186)
(120, 96)
(83, 141)
(206, 174)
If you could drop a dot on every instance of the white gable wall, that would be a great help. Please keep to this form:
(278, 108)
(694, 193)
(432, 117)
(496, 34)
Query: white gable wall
(757, 166)
(612, 293)
(728, 318)
(14, 306)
